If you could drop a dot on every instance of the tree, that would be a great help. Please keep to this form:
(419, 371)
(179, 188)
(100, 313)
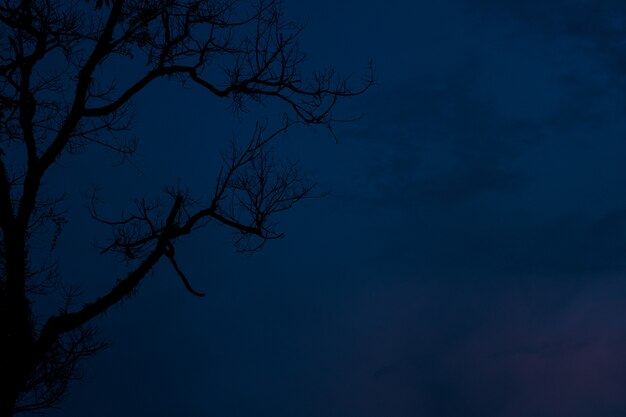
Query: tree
(57, 95)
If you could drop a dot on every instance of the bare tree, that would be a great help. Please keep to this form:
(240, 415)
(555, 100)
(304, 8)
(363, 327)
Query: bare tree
(58, 93)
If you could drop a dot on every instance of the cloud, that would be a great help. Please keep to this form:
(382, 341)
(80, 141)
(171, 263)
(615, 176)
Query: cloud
(597, 27)
(505, 155)
(442, 141)
(522, 74)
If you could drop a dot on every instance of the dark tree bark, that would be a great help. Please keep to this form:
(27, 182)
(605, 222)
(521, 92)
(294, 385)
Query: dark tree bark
(55, 97)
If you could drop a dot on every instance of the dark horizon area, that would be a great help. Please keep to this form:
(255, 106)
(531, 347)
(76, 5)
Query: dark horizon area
(468, 260)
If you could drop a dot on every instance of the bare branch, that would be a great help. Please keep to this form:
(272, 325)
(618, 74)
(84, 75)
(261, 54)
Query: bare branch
(171, 256)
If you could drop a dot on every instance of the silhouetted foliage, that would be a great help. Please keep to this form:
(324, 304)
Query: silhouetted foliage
(56, 98)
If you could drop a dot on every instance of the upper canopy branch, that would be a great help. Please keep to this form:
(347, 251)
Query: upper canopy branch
(264, 63)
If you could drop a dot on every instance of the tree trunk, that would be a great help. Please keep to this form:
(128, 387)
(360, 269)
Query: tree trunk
(16, 325)
(7, 400)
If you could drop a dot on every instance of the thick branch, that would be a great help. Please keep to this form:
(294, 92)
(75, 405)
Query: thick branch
(6, 207)
(57, 325)
(99, 52)
(133, 90)
(36, 172)
(172, 257)
(212, 213)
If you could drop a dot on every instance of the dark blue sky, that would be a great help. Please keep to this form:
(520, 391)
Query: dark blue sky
(469, 261)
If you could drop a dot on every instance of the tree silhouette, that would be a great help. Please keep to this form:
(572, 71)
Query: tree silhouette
(56, 96)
